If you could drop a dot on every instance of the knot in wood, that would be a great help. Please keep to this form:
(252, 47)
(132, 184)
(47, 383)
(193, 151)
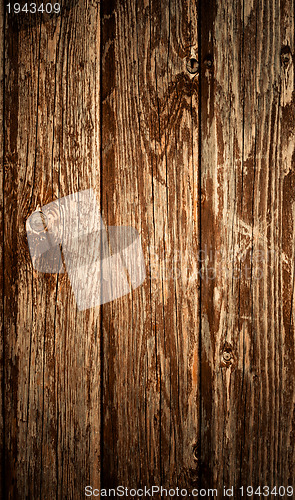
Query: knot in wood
(192, 66)
(38, 222)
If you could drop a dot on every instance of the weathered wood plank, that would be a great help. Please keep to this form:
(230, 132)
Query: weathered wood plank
(247, 221)
(150, 181)
(169, 417)
(52, 351)
(2, 437)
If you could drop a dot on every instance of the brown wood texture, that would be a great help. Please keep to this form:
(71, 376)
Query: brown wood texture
(1, 198)
(180, 116)
(51, 351)
(150, 181)
(247, 233)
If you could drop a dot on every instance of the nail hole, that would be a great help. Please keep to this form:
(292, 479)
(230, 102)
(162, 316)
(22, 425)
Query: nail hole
(192, 66)
(227, 355)
(286, 56)
(208, 61)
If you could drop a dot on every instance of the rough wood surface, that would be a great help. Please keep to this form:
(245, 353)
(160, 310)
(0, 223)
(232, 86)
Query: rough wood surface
(1, 249)
(247, 230)
(150, 181)
(180, 116)
(51, 351)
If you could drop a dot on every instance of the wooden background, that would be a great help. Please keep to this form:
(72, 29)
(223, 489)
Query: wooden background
(180, 115)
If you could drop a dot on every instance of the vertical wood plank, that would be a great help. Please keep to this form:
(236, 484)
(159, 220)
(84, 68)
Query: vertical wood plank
(247, 221)
(150, 181)
(52, 351)
(2, 436)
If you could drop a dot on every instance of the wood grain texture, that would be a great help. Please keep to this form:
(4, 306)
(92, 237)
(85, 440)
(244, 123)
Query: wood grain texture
(189, 380)
(150, 181)
(51, 351)
(247, 223)
(1, 246)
